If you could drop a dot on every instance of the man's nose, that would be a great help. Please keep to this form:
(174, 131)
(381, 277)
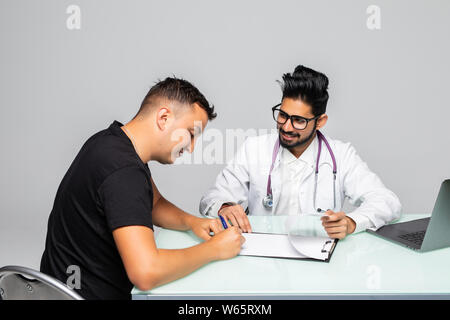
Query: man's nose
(287, 126)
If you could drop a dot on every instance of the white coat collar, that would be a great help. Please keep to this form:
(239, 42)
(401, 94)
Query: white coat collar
(310, 154)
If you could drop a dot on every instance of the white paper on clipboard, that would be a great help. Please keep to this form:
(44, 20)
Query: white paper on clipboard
(300, 242)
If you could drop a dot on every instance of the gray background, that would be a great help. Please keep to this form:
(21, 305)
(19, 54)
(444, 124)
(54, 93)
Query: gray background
(388, 88)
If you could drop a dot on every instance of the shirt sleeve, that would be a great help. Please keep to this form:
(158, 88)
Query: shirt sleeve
(362, 222)
(231, 185)
(127, 198)
(366, 192)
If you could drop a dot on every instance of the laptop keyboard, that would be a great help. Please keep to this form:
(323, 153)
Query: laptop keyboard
(414, 237)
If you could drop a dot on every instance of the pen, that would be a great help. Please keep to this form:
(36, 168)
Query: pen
(223, 222)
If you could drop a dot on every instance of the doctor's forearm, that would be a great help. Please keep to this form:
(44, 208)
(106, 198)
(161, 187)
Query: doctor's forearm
(361, 222)
(213, 208)
(375, 212)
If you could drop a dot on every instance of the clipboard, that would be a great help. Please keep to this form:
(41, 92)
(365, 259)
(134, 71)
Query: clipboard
(284, 246)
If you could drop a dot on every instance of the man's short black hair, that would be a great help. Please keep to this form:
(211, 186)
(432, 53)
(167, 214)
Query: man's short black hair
(307, 85)
(179, 90)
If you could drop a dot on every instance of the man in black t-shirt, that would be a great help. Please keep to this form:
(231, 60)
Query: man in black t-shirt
(102, 219)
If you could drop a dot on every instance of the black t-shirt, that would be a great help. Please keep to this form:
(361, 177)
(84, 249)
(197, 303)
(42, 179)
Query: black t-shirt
(106, 187)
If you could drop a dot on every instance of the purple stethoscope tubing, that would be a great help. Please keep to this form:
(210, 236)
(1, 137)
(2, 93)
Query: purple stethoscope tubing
(268, 199)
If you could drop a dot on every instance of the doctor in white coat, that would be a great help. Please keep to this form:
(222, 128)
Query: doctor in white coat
(300, 170)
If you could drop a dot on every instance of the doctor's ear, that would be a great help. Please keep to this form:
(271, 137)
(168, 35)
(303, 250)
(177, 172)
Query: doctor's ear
(321, 121)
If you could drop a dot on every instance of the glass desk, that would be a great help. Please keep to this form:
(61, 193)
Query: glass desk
(363, 266)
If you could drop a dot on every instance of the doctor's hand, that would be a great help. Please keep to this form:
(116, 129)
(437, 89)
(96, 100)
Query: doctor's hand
(337, 224)
(237, 216)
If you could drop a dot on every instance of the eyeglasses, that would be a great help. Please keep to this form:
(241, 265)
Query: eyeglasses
(297, 122)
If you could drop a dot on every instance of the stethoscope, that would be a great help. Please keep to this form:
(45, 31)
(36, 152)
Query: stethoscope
(268, 199)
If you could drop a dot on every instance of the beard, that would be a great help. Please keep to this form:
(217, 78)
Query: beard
(297, 143)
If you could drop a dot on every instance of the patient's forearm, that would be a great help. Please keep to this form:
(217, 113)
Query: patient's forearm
(165, 214)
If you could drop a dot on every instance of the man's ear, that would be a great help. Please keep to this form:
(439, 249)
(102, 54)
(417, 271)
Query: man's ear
(162, 117)
(321, 121)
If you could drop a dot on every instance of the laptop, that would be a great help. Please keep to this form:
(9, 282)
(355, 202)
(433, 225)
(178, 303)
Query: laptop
(423, 234)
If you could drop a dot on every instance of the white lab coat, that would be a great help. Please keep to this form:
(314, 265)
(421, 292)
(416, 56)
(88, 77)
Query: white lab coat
(244, 181)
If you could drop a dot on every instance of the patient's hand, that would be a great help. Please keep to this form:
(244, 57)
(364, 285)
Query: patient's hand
(202, 227)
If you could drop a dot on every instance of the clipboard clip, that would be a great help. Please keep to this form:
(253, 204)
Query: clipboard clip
(323, 248)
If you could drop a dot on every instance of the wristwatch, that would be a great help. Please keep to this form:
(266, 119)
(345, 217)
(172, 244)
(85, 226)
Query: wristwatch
(226, 204)
(229, 204)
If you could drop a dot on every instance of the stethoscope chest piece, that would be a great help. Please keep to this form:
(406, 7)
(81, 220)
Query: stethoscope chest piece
(268, 201)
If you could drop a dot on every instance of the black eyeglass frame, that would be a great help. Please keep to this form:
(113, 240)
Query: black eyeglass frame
(291, 117)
